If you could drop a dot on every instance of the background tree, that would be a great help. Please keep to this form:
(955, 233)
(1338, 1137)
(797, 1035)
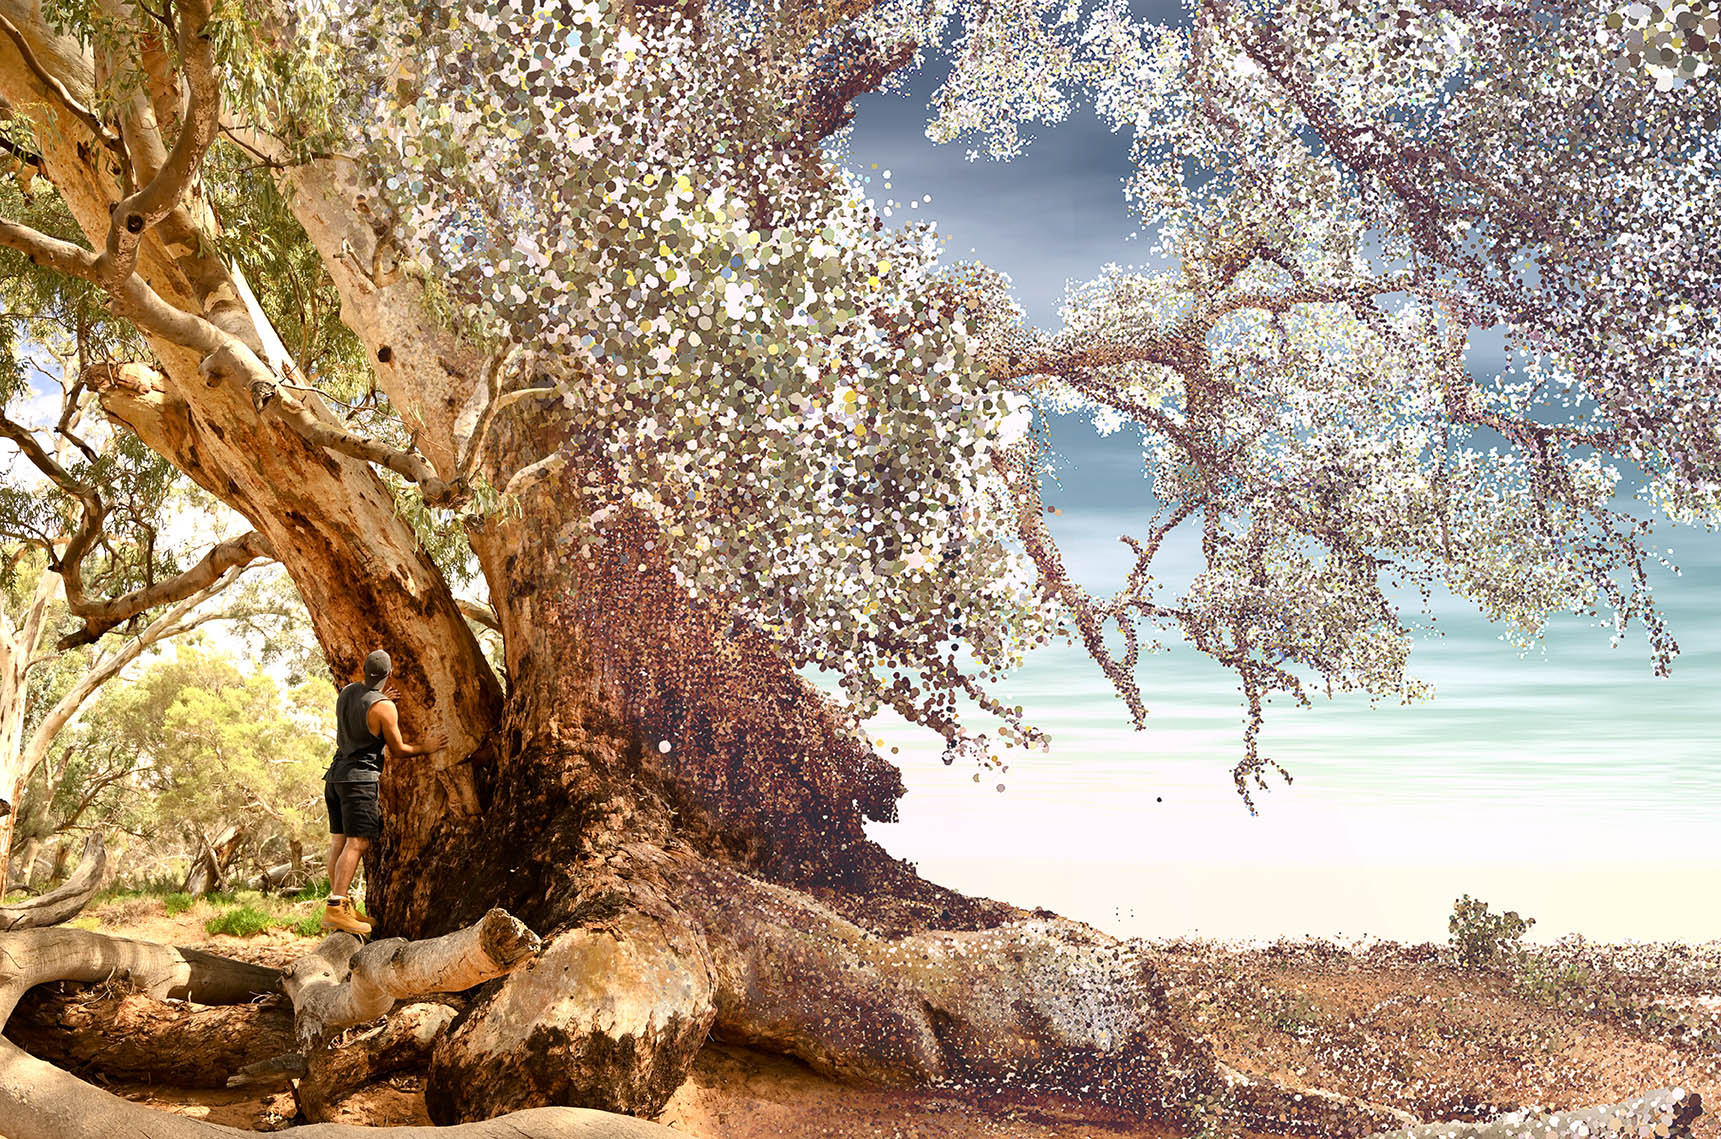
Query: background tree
(92, 523)
(204, 764)
(705, 420)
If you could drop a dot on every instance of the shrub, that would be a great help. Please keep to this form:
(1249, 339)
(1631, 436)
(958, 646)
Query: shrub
(1478, 936)
(177, 903)
(241, 921)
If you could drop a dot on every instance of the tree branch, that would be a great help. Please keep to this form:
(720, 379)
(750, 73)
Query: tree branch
(144, 209)
(101, 616)
(482, 614)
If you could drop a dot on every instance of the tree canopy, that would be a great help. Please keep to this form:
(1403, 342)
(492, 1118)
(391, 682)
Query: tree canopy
(639, 213)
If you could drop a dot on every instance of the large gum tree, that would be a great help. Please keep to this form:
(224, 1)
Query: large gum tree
(705, 419)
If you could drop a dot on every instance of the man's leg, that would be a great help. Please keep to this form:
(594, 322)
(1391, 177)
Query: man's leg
(337, 842)
(337, 828)
(346, 865)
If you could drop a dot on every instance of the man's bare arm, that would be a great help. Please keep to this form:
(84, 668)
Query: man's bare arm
(388, 727)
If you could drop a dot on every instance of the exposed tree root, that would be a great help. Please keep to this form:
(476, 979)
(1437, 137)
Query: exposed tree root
(614, 1010)
(339, 983)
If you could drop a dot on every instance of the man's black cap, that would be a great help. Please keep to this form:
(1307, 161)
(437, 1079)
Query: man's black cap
(377, 668)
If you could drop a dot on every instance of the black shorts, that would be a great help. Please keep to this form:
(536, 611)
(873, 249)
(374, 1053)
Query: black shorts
(353, 809)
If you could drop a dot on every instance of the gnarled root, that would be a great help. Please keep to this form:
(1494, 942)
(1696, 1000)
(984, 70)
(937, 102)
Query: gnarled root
(613, 1012)
(608, 1016)
(339, 983)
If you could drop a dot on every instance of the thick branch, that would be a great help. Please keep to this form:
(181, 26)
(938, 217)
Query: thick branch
(52, 82)
(136, 214)
(100, 616)
(483, 614)
(340, 984)
(223, 356)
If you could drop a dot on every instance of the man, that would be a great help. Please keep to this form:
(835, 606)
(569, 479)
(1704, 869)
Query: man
(365, 720)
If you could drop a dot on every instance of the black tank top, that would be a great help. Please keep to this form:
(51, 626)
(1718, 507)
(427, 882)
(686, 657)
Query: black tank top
(358, 750)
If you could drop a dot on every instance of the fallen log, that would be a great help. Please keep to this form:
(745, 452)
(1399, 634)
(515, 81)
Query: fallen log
(1667, 1114)
(40, 1101)
(134, 1036)
(63, 903)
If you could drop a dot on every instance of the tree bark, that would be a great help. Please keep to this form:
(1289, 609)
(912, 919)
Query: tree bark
(64, 903)
(18, 643)
(356, 561)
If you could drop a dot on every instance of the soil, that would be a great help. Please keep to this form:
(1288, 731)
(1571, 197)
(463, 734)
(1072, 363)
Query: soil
(1562, 1026)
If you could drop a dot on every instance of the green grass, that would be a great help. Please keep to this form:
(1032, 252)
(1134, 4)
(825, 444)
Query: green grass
(311, 925)
(319, 888)
(177, 903)
(241, 921)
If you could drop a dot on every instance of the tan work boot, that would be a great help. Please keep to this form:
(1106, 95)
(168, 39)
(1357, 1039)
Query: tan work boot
(341, 916)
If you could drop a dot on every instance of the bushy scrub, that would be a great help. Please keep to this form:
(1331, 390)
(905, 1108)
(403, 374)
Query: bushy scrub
(1479, 937)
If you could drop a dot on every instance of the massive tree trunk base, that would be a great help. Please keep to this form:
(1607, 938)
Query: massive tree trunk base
(614, 1010)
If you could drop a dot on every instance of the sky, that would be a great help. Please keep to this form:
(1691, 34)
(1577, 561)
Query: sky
(1568, 783)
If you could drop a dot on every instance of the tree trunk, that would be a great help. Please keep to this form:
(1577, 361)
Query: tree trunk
(726, 885)
(332, 522)
(18, 642)
(663, 794)
(23, 859)
(209, 866)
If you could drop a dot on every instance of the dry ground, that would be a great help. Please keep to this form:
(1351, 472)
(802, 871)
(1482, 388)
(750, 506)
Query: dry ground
(1569, 1025)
